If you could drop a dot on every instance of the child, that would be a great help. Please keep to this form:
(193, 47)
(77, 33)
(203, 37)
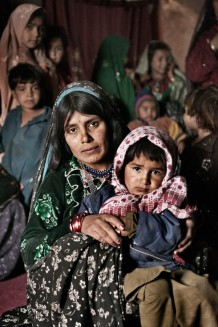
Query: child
(158, 71)
(25, 127)
(148, 113)
(199, 164)
(56, 44)
(152, 201)
(21, 42)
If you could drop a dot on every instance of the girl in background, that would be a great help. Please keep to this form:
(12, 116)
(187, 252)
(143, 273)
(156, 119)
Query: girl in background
(21, 42)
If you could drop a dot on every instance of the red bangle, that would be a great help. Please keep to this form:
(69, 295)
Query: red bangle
(77, 221)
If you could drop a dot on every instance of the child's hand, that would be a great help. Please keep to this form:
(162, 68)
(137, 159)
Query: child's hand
(191, 228)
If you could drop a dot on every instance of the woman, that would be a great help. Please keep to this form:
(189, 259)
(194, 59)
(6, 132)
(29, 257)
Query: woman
(109, 73)
(84, 123)
(157, 71)
(20, 43)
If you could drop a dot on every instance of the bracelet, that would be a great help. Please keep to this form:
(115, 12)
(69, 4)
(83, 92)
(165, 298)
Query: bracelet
(77, 221)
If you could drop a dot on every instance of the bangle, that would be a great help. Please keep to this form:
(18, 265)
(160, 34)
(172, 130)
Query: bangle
(77, 221)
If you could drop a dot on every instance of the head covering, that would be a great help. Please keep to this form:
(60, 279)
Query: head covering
(85, 87)
(170, 195)
(9, 46)
(144, 94)
(109, 72)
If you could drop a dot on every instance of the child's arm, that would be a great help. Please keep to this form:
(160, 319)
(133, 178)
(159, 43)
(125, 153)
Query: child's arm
(187, 241)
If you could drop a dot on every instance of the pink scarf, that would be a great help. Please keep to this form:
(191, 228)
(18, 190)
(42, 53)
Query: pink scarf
(171, 195)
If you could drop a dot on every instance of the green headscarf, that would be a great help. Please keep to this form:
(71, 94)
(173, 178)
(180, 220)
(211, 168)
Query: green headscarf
(109, 73)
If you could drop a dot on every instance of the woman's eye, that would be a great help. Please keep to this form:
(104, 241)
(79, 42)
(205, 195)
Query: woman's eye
(71, 130)
(94, 123)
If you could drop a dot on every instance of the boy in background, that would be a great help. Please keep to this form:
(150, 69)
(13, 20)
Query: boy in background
(23, 134)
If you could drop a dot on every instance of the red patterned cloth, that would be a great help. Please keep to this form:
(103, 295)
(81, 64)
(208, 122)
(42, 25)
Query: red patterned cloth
(171, 195)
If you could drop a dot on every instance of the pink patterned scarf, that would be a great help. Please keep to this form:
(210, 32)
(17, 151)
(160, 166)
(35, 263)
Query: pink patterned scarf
(171, 195)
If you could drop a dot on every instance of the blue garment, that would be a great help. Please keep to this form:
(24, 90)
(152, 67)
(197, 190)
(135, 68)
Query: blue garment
(156, 237)
(22, 147)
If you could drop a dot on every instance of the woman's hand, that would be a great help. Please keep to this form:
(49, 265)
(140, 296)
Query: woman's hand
(191, 228)
(104, 228)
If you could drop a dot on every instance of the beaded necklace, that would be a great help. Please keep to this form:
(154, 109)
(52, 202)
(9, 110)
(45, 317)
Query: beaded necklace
(90, 175)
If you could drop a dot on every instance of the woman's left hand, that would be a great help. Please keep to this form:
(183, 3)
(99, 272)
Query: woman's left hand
(187, 241)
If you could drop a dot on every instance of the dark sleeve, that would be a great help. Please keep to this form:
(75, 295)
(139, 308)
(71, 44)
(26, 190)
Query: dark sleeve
(93, 202)
(159, 233)
(50, 217)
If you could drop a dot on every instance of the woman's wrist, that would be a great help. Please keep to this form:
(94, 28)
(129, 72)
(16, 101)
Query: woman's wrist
(76, 222)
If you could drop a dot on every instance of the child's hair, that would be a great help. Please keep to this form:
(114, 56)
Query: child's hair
(25, 73)
(148, 149)
(203, 103)
(55, 32)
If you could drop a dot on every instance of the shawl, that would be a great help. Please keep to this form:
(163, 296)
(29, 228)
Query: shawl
(9, 46)
(171, 195)
(109, 72)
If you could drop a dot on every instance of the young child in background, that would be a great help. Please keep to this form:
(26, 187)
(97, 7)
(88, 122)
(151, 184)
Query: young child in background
(23, 133)
(56, 44)
(148, 113)
(21, 42)
(199, 164)
(152, 201)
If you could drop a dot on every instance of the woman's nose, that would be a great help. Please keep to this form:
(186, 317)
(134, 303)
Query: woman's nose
(86, 137)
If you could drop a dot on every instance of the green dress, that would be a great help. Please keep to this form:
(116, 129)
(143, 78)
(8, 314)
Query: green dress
(109, 73)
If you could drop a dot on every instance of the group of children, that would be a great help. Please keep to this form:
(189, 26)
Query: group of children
(146, 176)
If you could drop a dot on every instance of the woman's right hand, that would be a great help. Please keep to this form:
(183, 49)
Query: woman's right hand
(104, 228)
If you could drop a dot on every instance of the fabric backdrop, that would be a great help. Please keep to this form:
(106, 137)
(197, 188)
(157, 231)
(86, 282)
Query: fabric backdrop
(87, 24)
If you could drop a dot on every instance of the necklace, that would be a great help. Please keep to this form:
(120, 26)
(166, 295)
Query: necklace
(93, 179)
(99, 173)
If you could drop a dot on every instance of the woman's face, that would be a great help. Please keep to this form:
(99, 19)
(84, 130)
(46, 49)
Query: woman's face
(160, 61)
(56, 50)
(86, 136)
(33, 33)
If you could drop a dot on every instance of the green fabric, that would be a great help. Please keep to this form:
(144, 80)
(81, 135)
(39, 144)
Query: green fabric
(110, 74)
(58, 199)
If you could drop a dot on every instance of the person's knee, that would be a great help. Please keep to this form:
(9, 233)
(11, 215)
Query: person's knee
(158, 291)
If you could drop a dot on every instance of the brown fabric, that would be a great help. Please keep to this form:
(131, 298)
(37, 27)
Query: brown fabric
(9, 48)
(194, 298)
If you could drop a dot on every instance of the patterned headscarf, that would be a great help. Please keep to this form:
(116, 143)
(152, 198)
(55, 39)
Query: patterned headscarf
(9, 46)
(171, 195)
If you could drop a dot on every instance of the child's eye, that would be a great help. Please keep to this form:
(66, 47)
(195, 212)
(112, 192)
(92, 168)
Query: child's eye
(29, 26)
(36, 88)
(136, 168)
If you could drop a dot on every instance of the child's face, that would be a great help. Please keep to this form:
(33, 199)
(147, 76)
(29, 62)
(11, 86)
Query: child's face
(160, 61)
(190, 121)
(28, 95)
(142, 176)
(147, 111)
(33, 33)
(56, 50)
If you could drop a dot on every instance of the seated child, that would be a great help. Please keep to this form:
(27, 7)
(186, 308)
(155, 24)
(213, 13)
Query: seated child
(147, 112)
(23, 133)
(152, 201)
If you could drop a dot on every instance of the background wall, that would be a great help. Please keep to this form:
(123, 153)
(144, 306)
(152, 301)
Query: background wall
(172, 21)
